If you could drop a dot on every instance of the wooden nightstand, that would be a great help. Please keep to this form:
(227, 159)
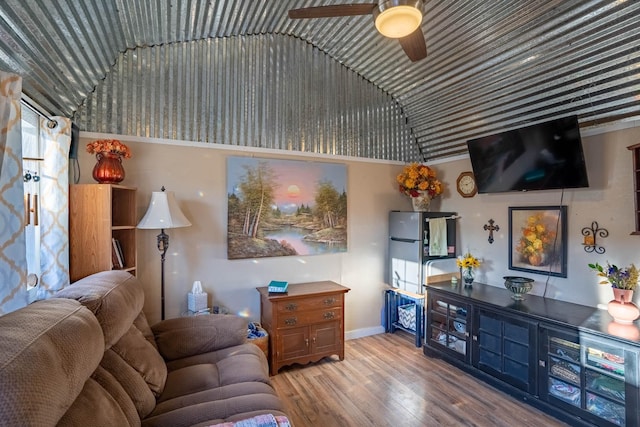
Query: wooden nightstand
(305, 324)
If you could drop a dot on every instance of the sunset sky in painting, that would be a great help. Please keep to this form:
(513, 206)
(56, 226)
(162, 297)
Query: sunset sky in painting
(296, 179)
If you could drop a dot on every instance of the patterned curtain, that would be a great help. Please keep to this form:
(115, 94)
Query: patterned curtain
(54, 206)
(13, 261)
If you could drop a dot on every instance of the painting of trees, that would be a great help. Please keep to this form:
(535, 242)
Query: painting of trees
(285, 207)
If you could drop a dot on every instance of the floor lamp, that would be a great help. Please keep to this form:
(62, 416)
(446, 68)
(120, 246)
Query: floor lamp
(163, 213)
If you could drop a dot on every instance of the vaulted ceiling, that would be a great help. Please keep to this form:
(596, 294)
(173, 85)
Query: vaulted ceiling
(491, 65)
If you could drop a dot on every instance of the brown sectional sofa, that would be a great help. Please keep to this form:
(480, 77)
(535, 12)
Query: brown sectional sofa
(89, 357)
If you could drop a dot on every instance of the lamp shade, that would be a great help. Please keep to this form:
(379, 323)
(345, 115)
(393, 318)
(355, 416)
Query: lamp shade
(397, 18)
(163, 212)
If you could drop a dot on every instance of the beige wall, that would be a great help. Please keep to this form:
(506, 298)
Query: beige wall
(197, 174)
(608, 200)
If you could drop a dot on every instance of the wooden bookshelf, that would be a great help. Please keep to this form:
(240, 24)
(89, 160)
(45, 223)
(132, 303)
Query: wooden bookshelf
(98, 214)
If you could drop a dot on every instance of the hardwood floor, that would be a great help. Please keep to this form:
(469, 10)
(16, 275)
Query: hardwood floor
(386, 381)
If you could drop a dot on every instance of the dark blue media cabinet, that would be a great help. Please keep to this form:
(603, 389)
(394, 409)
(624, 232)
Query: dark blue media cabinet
(569, 360)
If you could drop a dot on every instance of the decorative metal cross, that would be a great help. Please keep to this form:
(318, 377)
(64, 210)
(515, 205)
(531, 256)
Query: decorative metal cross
(491, 228)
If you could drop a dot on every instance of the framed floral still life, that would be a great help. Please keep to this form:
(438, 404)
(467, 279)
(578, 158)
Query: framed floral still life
(538, 239)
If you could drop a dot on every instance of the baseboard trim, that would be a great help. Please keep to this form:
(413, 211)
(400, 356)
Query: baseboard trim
(365, 332)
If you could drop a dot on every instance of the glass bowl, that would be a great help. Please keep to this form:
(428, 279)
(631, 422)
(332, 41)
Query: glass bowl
(518, 286)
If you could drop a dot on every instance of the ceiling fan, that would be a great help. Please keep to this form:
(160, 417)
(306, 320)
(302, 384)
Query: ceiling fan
(397, 19)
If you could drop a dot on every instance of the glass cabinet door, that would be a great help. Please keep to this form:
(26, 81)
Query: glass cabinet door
(607, 372)
(449, 326)
(590, 376)
(561, 358)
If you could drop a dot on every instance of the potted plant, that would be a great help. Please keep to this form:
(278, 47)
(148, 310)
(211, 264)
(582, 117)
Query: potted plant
(419, 182)
(623, 282)
(109, 154)
(467, 263)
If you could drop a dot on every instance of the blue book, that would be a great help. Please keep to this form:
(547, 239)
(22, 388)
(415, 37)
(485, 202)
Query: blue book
(278, 286)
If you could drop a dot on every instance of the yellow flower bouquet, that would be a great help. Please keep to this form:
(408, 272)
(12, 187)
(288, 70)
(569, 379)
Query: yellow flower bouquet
(468, 261)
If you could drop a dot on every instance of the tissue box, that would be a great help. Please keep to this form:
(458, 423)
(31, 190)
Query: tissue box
(407, 316)
(196, 302)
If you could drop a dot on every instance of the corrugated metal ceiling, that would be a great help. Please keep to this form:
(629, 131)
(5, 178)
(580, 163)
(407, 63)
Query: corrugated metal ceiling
(491, 64)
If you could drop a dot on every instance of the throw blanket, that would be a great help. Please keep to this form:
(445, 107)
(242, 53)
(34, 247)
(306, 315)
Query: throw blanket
(437, 236)
(268, 420)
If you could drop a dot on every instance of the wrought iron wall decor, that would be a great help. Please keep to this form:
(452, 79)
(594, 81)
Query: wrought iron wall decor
(491, 228)
(590, 241)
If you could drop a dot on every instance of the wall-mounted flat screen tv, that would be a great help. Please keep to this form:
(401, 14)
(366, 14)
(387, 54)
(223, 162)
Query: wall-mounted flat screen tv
(539, 157)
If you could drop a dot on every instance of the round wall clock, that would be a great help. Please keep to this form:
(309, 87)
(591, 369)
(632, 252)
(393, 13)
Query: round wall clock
(466, 184)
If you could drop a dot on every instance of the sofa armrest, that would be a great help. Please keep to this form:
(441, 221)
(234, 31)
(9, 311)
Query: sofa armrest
(190, 336)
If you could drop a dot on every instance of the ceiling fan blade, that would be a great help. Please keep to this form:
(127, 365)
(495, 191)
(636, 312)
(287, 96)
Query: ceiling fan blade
(333, 11)
(414, 45)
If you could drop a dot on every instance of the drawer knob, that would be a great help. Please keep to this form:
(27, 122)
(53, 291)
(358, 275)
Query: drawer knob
(290, 321)
(329, 301)
(329, 315)
(291, 307)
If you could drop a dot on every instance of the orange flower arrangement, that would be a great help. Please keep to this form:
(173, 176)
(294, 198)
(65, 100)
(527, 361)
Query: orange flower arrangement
(536, 240)
(416, 178)
(109, 146)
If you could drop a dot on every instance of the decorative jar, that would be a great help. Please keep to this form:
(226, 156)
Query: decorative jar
(518, 286)
(468, 276)
(421, 202)
(622, 308)
(108, 169)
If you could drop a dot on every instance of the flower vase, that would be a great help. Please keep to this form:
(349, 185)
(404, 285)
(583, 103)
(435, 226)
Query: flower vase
(537, 259)
(468, 276)
(108, 169)
(621, 308)
(421, 202)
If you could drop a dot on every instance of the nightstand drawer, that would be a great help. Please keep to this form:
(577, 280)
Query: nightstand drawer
(308, 317)
(312, 303)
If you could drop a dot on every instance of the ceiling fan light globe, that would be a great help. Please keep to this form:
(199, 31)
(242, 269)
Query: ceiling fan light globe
(398, 21)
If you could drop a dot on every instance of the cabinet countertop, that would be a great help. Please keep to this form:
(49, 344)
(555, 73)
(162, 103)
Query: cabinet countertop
(589, 319)
(304, 289)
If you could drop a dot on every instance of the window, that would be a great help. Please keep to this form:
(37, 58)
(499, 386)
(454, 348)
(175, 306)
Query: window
(32, 152)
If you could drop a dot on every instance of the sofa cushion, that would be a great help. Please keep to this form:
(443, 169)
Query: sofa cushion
(119, 394)
(143, 326)
(218, 393)
(240, 363)
(95, 407)
(136, 351)
(187, 336)
(48, 351)
(190, 379)
(115, 297)
(133, 384)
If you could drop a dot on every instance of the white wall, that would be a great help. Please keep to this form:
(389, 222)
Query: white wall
(197, 174)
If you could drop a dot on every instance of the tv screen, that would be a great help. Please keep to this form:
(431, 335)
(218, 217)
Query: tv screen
(540, 157)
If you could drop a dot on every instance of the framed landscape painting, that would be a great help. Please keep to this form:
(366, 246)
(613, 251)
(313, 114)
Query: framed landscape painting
(285, 207)
(538, 239)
